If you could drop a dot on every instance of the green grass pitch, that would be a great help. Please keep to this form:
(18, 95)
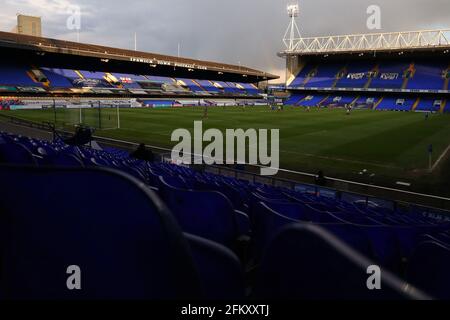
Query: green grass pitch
(392, 145)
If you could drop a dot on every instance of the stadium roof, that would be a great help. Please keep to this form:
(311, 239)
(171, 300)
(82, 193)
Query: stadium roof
(411, 41)
(60, 52)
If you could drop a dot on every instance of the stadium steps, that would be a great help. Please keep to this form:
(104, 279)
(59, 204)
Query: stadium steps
(415, 105)
(255, 87)
(447, 80)
(31, 75)
(335, 82)
(198, 84)
(315, 70)
(355, 100)
(34, 78)
(301, 100)
(79, 74)
(343, 70)
(406, 79)
(377, 103)
(369, 81)
(443, 106)
(405, 83)
(112, 80)
(297, 102)
(323, 100)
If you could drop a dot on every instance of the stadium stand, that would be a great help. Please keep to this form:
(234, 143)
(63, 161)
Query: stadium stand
(92, 75)
(56, 79)
(301, 79)
(228, 224)
(208, 86)
(250, 88)
(389, 75)
(336, 100)
(355, 75)
(387, 104)
(67, 79)
(325, 76)
(192, 85)
(294, 99)
(230, 88)
(129, 81)
(406, 75)
(12, 74)
(428, 75)
(428, 105)
(311, 101)
(395, 103)
(66, 73)
(64, 78)
(160, 79)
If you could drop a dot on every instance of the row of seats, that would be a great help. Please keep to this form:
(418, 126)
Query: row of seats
(228, 238)
(67, 78)
(402, 74)
(379, 103)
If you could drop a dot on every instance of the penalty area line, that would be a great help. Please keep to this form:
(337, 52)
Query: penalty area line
(441, 157)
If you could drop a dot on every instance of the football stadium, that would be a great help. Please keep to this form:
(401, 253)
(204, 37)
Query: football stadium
(347, 198)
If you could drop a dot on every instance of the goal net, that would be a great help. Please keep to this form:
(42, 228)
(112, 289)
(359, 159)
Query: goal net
(100, 116)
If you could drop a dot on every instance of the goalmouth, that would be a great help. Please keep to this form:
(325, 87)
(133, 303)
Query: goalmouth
(99, 115)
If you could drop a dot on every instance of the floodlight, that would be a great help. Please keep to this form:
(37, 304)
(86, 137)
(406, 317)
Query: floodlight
(293, 10)
(292, 35)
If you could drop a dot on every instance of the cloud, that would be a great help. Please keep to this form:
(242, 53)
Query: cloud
(232, 31)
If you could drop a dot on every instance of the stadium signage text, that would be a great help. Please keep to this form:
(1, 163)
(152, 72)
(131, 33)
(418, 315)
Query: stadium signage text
(389, 76)
(356, 76)
(168, 63)
(87, 83)
(236, 147)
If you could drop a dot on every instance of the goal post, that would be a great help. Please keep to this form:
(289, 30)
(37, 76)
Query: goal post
(98, 115)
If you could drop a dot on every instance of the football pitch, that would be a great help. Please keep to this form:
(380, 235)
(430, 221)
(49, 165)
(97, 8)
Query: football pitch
(391, 146)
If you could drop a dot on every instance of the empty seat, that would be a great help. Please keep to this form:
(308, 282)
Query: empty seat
(220, 271)
(66, 160)
(270, 217)
(111, 226)
(14, 153)
(429, 268)
(208, 214)
(307, 262)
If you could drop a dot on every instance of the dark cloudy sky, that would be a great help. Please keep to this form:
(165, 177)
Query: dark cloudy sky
(232, 31)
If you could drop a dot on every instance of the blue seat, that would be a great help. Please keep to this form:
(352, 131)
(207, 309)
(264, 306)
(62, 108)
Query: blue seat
(115, 229)
(207, 214)
(220, 270)
(385, 246)
(131, 170)
(270, 217)
(14, 153)
(307, 262)
(66, 160)
(429, 268)
(295, 211)
(266, 223)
